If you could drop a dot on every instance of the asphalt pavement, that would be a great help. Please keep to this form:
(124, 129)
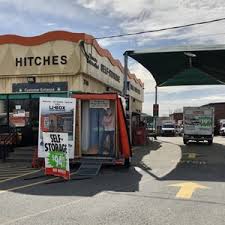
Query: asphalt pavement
(168, 183)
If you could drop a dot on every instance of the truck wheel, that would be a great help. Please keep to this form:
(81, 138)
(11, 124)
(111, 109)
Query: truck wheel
(127, 163)
(210, 142)
(185, 141)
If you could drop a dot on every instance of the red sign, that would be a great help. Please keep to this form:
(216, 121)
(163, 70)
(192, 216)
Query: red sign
(58, 172)
(156, 110)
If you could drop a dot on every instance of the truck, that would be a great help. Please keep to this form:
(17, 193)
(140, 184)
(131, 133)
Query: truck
(150, 125)
(222, 127)
(198, 124)
(168, 128)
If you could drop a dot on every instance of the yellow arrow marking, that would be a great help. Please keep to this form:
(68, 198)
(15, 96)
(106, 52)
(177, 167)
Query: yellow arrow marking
(192, 155)
(187, 189)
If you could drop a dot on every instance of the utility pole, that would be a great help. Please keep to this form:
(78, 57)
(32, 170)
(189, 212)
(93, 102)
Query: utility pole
(125, 73)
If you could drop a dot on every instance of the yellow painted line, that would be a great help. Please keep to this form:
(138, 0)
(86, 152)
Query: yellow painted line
(16, 167)
(13, 221)
(15, 171)
(187, 189)
(21, 175)
(15, 174)
(192, 155)
(30, 185)
(9, 170)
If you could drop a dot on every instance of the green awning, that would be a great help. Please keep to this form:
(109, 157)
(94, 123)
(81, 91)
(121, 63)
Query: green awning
(18, 96)
(3, 96)
(188, 65)
(65, 94)
(38, 95)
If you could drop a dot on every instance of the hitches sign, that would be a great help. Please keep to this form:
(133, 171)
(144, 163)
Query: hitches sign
(57, 154)
(57, 115)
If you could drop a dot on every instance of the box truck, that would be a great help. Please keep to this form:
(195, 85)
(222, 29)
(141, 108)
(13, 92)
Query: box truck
(198, 124)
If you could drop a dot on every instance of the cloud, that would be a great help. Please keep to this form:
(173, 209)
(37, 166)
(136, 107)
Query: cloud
(144, 15)
(171, 100)
(50, 24)
(110, 17)
(117, 8)
(144, 75)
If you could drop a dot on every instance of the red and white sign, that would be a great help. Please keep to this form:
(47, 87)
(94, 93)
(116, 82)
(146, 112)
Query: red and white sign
(57, 154)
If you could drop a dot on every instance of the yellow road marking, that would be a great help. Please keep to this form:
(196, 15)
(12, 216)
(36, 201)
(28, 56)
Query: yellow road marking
(67, 204)
(21, 175)
(187, 189)
(15, 171)
(30, 185)
(192, 155)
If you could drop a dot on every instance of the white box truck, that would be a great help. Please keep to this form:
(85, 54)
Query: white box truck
(198, 124)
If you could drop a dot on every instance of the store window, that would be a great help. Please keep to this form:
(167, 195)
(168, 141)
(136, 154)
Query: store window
(19, 114)
(3, 114)
(86, 82)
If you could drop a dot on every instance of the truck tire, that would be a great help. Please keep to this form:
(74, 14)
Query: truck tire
(185, 141)
(127, 163)
(210, 142)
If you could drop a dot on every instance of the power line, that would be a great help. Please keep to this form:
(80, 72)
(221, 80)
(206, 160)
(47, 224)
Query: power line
(194, 36)
(161, 29)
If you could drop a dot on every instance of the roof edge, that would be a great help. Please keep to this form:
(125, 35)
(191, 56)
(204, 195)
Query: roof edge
(66, 36)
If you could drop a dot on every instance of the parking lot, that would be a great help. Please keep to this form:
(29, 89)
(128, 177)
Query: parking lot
(168, 183)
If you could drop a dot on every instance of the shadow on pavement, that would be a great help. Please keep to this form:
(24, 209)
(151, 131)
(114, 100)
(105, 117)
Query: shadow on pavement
(111, 178)
(200, 162)
(142, 151)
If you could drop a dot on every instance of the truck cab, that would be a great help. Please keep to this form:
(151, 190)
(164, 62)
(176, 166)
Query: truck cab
(168, 129)
(222, 129)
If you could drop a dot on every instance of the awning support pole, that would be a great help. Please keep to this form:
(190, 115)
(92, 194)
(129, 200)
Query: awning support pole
(156, 102)
(156, 94)
(128, 112)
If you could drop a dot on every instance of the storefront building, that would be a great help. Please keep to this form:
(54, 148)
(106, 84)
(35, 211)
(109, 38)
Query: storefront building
(56, 64)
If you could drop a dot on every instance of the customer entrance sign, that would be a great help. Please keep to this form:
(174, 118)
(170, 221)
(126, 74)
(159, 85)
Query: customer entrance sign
(57, 154)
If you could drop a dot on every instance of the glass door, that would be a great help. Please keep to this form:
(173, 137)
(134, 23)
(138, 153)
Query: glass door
(98, 130)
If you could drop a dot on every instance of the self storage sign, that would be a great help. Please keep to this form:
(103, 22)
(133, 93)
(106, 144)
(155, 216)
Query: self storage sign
(57, 115)
(57, 154)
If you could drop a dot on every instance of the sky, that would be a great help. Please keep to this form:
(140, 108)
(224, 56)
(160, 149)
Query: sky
(109, 17)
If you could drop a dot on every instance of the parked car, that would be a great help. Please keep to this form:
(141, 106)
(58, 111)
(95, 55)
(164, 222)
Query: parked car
(168, 129)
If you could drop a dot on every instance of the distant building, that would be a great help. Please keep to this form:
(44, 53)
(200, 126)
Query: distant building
(219, 108)
(176, 117)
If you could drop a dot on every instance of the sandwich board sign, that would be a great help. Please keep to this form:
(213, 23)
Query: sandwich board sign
(56, 139)
(57, 154)
(57, 115)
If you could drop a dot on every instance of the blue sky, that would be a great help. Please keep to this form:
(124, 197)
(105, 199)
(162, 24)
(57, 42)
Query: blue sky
(109, 17)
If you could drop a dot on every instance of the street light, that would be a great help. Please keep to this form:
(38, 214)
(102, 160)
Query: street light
(190, 56)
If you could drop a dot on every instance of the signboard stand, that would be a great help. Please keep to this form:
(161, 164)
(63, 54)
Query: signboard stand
(56, 140)
(57, 157)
